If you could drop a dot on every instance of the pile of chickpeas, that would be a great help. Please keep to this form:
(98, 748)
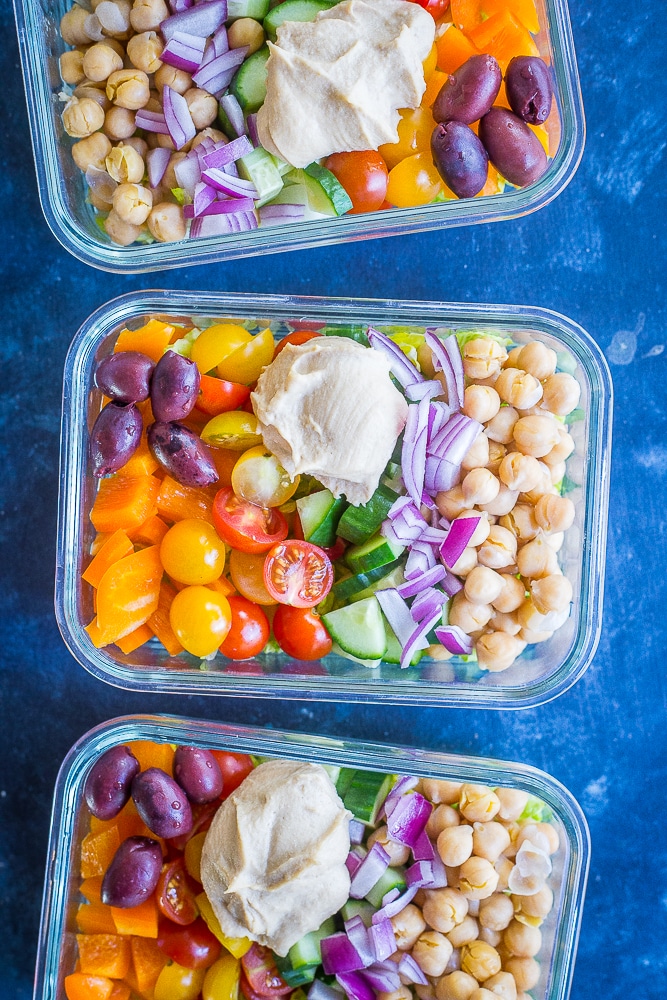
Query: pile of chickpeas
(475, 939)
(115, 70)
(515, 592)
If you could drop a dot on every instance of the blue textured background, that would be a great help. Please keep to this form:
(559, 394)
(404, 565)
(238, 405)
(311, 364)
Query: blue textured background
(596, 254)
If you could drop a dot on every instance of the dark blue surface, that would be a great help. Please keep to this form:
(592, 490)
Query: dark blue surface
(596, 254)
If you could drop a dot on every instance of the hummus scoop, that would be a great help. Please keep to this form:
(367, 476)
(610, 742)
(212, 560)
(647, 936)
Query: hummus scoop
(273, 863)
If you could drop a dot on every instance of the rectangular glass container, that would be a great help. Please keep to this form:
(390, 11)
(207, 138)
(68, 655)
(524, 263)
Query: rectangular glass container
(63, 194)
(542, 672)
(69, 824)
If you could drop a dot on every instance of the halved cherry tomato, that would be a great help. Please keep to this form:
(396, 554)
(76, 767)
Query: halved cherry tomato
(202, 814)
(298, 573)
(235, 768)
(217, 395)
(436, 8)
(245, 526)
(364, 177)
(250, 630)
(300, 633)
(296, 338)
(175, 898)
(261, 974)
(193, 947)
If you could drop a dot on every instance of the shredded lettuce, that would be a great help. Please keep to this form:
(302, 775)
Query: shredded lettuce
(537, 811)
(181, 196)
(464, 336)
(408, 341)
(184, 344)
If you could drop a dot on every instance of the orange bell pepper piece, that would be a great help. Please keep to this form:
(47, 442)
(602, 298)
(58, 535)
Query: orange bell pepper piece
(523, 10)
(151, 339)
(151, 754)
(176, 502)
(91, 889)
(95, 918)
(147, 964)
(120, 991)
(433, 88)
(135, 639)
(140, 920)
(503, 37)
(79, 986)
(454, 48)
(151, 532)
(159, 620)
(115, 547)
(128, 593)
(142, 462)
(97, 851)
(104, 955)
(124, 502)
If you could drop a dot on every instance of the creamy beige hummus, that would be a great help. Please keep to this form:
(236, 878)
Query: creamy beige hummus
(273, 864)
(337, 83)
(328, 408)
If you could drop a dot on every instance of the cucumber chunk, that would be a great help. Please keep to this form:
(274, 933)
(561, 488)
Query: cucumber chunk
(358, 524)
(293, 10)
(257, 9)
(395, 650)
(394, 578)
(358, 629)
(377, 551)
(331, 192)
(358, 908)
(319, 514)
(258, 167)
(345, 590)
(249, 82)
(391, 878)
(366, 793)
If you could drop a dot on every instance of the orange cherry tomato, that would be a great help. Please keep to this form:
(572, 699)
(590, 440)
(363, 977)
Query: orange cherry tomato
(298, 573)
(364, 177)
(297, 338)
(250, 630)
(244, 525)
(300, 633)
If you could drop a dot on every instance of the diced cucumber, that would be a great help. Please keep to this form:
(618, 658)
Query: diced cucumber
(394, 578)
(366, 793)
(249, 82)
(325, 192)
(257, 9)
(358, 908)
(358, 524)
(391, 878)
(281, 166)
(395, 650)
(345, 780)
(258, 167)
(377, 551)
(295, 977)
(345, 590)
(333, 771)
(370, 664)
(358, 629)
(307, 951)
(293, 10)
(319, 514)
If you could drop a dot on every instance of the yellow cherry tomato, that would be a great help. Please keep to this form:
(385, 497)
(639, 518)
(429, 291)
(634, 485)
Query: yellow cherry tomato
(430, 62)
(215, 343)
(175, 982)
(192, 855)
(222, 979)
(247, 362)
(201, 619)
(414, 181)
(235, 430)
(247, 573)
(259, 478)
(191, 552)
(414, 136)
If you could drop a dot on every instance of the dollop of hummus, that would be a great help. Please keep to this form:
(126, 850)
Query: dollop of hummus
(328, 408)
(273, 863)
(337, 83)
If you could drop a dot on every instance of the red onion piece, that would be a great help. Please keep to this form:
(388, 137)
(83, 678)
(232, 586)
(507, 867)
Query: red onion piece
(201, 20)
(178, 6)
(356, 931)
(357, 831)
(234, 112)
(408, 967)
(443, 360)
(340, 955)
(228, 153)
(395, 906)
(188, 174)
(177, 116)
(352, 862)
(426, 604)
(402, 368)
(355, 986)
(460, 532)
(428, 579)
(382, 980)
(234, 186)
(251, 124)
(383, 939)
(440, 474)
(419, 874)
(408, 818)
(454, 639)
(184, 51)
(203, 196)
(217, 45)
(396, 612)
(451, 584)
(418, 638)
(222, 225)
(156, 162)
(216, 74)
(417, 390)
(151, 121)
(420, 558)
(369, 871)
(281, 213)
(422, 849)
(438, 415)
(320, 991)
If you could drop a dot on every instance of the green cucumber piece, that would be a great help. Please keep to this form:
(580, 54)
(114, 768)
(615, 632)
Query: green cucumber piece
(295, 977)
(333, 771)
(358, 908)
(391, 878)
(366, 793)
(358, 524)
(358, 629)
(394, 578)
(331, 192)
(249, 82)
(370, 663)
(377, 551)
(345, 590)
(319, 514)
(395, 650)
(257, 9)
(258, 167)
(293, 10)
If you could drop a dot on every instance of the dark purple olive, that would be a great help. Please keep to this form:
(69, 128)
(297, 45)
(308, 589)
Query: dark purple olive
(513, 148)
(161, 803)
(107, 787)
(198, 773)
(460, 158)
(469, 93)
(181, 453)
(125, 377)
(133, 873)
(114, 438)
(174, 387)
(528, 87)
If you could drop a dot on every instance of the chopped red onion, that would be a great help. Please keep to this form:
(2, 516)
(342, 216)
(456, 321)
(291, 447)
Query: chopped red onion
(394, 907)
(151, 121)
(396, 612)
(352, 862)
(177, 116)
(355, 986)
(433, 536)
(203, 196)
(460, 532)
(184, 51)
(201, 20)
(234, 186)
(383, 939)
(340, 955)
(420, 558)
(427, 603)
(408, 967)
(188, 174)
(369, 871)
(418, 638)
(402, 368)
(428, 579)
(390, 896)
(321, 991)
(438, 414)
(251, 125)
(440, 474)
(229, 205)
(217, 45)
(443, 360)
(222, 225)
(383, 980)
(357, 831)
(422, 849)
(231, 151)
(451, 584)
(454, 353)
(398, 506)
(157, 161)
(419, 874)
(178, 6)
(234, 112)
(216, 74)
(408, 818)
(417, 390)
(103, 185)
(454, 639)
(358, 934)
(275, 214)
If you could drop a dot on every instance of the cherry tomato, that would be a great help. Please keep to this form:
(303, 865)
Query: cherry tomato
(364, 177)
(216, 343)
(175, 898)
(250, 630)
(336, 550)
(235, 430)
(193, 947)
(201, 619)
(222, 979)
(202, 814)
(248, 361)
(414, 181)
(178, 983)
(436, 8)
(259, 478)
(300, 633)
(296, 338)
(298, 573)
(235, 768)
(415, 129)
(245, 526)
(247, 572)
(217, 395)
(261, 974)
(191, 552)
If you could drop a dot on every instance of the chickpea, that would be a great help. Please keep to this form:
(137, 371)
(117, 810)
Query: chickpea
(454, 845)
(246, 31)
(124, 164)
(483, 585)
(521, 522)
(424, 992)
(100, 61)
(203, 107)
(398, 853)
(119, 123)
(503, 503)
(91, 152)
(561, 393)
(551, 833)
(93, 28)
(512, 802)
(468, 616)
(481, 402)
(148, 15)
(522, 940)
(432, 952)
(71, 67)
(537, 559)
(538, 359)
(518, 388)
(444, 909)
(451, 503)
(452, 875)
(473, 907)
(82, 117)
(166, 222)
(144, 51)
(90, 92)
(502, 985)
(480, 486)
(482, 994)
(519, 472)
(128, 88)
(408, 926)
(501, 427)
(499, 549)
(402, 993)
(169, 178)
(497, 452)
(114, 16)
(442, 817)
(561, 450)
(72, 26)
(501, 622)
(496, 912)
(483, 357)
(480, 960)
(456, 986)
(538, 905)
(477, 878)
(494, 938)
(439, 790)
(477, 454)
(554, 513)
(464, 933)
(531, 636)
(208, 133)
(557, 472)
(132, 203)
(551, 593)
(530, 618)
(536, 435)
(98, 202)
(479, 804)
(121, 232)
(511, 596)
(504, 867)
(176, 79)
(526, 972)
(138, 144)
(489, 840)
(465, 562)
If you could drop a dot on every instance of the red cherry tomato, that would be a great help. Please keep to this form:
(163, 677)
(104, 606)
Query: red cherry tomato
(336, 550)
(364, 176)
(202, 814)
(261, 974)
(297, 573)
(235, 768)
(250, 630)
(194, 946)
(300, 633)
(217, 395)
(296, 338)
(245, 526)
(175, 897)
(436, 8)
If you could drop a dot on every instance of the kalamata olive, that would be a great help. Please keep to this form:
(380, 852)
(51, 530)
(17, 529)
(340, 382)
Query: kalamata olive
(198, 773)
(528, 87)
(133, 873)
(513, 148)
(460, 158)
(181, 453)
(107, 787)
(469, 93)
(114, 438)
(125, 377)
(174, 387)
(161, 803)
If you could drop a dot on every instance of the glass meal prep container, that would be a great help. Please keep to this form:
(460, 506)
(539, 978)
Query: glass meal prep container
(70, 823)
(541, 672)
(63, 190)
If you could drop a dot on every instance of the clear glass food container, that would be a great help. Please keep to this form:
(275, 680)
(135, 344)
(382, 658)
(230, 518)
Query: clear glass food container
(70, 822)
(542, 672)
(70, 216)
